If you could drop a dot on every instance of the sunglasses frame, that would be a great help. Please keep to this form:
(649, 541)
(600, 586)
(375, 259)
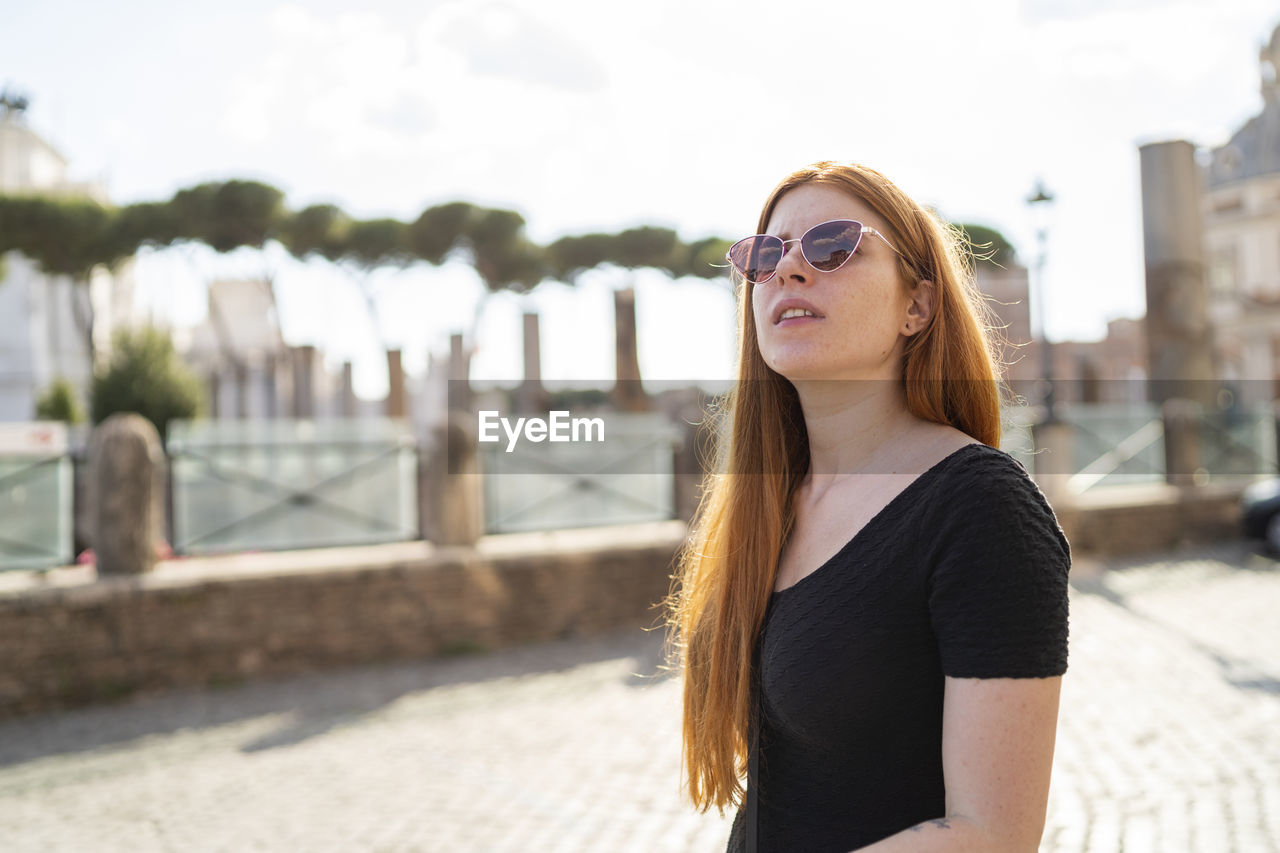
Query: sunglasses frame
(865, 229)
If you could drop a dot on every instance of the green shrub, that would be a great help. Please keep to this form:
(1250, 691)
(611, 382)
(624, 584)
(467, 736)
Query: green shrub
(59, 403)
(145, 376)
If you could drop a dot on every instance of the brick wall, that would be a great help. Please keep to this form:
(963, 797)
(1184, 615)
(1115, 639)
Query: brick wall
(68, 638)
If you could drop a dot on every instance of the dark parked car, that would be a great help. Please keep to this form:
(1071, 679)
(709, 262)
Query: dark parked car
(1261, 516)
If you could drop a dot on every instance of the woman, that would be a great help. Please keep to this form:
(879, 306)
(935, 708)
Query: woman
(871, 614)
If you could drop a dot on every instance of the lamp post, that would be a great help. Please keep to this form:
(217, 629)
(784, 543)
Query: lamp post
(1039, 202)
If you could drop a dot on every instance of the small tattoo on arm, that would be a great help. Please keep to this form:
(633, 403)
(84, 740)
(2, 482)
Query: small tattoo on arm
(940, 822)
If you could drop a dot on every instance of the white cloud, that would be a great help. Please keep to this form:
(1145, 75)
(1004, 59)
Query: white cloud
(348, 85)
(502, 39)
(588, 116)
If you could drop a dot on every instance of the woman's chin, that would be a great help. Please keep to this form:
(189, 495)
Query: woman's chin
(803, 370)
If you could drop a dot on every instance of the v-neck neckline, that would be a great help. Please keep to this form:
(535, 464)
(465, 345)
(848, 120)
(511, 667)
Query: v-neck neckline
(881, 514)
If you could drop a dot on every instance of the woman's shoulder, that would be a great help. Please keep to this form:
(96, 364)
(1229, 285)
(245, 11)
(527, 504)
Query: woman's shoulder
(981, 486)
(998, 571)
(985, 468)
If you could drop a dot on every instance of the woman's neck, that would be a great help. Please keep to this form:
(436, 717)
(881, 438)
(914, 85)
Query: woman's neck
(853, 427)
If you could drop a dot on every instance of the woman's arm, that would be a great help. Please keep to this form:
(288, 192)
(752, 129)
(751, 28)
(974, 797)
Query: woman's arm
(997, 755)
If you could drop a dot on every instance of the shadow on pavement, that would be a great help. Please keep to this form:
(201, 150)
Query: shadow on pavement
(318, 702)
(321, 702)
(1237, 555)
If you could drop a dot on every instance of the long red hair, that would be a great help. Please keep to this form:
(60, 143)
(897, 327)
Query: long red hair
(726, 572)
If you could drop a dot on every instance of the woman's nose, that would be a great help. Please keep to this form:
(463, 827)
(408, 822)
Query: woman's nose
(792, 267)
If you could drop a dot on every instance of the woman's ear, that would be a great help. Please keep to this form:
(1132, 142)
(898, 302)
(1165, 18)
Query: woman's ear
(920, 308)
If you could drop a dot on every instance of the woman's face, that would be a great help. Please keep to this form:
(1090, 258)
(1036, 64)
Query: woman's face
(862, 311)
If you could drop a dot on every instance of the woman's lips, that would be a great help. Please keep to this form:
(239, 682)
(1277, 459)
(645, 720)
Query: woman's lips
(794, 305)
(796, 321)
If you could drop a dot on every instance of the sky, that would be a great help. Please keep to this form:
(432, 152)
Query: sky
(588, 116)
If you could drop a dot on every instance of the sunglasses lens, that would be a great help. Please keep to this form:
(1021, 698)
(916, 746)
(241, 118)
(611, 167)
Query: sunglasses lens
(827, 246)
(756, 258)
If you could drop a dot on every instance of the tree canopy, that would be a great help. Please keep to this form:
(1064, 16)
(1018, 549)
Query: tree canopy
(73, 235)
(145, 376)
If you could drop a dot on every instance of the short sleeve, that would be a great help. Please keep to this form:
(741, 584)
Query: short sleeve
(998, 586)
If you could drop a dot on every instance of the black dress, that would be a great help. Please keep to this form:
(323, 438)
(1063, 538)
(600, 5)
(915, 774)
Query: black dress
(963, 574)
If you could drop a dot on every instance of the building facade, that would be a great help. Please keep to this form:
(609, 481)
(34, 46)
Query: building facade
(50, 325)
(1105, 371)
(1241, 212)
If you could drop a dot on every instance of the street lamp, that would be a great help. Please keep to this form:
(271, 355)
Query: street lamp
(1039, 202)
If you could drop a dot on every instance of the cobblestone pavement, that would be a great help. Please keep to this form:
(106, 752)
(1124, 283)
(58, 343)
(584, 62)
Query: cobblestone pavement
(1169, 741)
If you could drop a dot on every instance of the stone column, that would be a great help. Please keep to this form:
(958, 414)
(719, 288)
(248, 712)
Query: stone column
(303, 382)
(696, 443)
(348, 391)
(241, 375)
(531, 397)
(1179, 336)
(628, 395)
(215, 393)
(271, 390)
(453, 511)
(459, 376)
(1090, 381)
(126, 488)
(1183, 420)
(395, 389)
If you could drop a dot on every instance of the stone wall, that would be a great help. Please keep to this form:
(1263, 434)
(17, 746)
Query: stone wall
(68, 637)
(1121, 520)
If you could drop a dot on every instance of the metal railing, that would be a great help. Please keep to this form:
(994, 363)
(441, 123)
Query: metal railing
(627, 478)
(246, 485)
(36, 496)
(1122, 444)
